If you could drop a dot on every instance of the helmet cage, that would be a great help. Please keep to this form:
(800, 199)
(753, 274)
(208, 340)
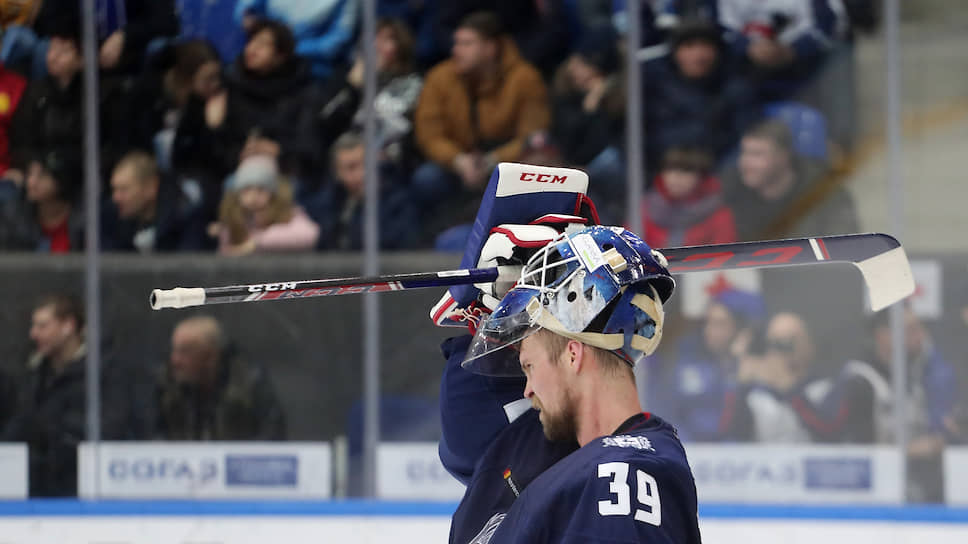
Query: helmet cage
(565, 284)
(567, 288)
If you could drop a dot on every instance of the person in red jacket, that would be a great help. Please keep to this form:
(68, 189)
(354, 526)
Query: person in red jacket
(12, 87)
(685, 204)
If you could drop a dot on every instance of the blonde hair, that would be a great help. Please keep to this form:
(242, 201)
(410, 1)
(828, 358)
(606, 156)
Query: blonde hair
(610, 363)
(141, 163)
(232, 216)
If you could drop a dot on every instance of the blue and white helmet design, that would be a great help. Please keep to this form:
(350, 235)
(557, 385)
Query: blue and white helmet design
(603, 286)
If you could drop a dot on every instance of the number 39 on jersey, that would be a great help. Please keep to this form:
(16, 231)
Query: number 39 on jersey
(648, 508)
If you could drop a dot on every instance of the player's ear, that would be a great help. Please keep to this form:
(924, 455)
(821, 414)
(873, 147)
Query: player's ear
(574, 355)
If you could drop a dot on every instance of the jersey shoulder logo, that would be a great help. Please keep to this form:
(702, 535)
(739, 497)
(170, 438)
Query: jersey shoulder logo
(628, 441)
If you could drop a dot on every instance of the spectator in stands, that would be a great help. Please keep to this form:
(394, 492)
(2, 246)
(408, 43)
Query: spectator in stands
(181, 77)
(421, 18)
(50, 112)
(265, 109)
(257, 214)
(476, 110)
(324, 30)
(46, 218)
(398, 89)
(698, 389)
(694, 98)
(588, 119)
(783, 43)
(339, 207)
(125, 29)
(208, 392)
(781, 392)
(51, 415)
(541, 29)
(771, 184)
(685, 205)
(931, 397)
(148, 213)
(176, 74)
(12, 86)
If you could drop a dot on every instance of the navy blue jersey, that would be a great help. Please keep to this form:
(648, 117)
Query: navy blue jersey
(632, 486)
(514, 474)
(492, 442)
(519, 454)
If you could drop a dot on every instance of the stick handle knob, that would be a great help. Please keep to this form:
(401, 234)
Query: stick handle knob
(179, 297)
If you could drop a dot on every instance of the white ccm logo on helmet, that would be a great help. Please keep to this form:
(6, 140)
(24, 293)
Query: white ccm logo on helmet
(266, 287)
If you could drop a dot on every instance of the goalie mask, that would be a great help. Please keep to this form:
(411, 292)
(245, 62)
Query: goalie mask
(602, 286)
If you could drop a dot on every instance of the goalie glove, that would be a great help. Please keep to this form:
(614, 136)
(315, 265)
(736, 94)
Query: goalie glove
(512, 196)
(512, 246)
(509, 247)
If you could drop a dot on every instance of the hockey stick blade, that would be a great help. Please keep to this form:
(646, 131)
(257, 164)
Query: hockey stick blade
(879, 257)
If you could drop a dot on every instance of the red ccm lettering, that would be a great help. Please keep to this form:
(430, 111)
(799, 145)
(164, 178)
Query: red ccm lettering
(782, 255)
(770, 256)
(329, 291)
(543, 178)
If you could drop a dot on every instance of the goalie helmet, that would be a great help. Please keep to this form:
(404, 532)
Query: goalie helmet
(603, 286)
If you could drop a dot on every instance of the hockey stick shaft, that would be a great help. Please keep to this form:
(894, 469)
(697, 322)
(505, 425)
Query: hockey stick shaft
(181, 297)
(879, 257)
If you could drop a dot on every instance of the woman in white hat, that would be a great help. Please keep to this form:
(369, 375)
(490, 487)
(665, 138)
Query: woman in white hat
(258, 214)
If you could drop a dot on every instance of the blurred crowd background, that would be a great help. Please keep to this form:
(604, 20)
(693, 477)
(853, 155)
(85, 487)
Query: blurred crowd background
(231, 128)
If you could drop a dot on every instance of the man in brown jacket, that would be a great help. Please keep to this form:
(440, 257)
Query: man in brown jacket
(476, 110)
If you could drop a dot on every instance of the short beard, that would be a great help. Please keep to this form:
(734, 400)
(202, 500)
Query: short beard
(561, 427)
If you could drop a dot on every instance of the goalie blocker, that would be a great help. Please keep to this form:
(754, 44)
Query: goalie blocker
(513, 194)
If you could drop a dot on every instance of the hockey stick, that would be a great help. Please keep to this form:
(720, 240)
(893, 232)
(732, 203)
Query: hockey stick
(879, 257)
(181, 297)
